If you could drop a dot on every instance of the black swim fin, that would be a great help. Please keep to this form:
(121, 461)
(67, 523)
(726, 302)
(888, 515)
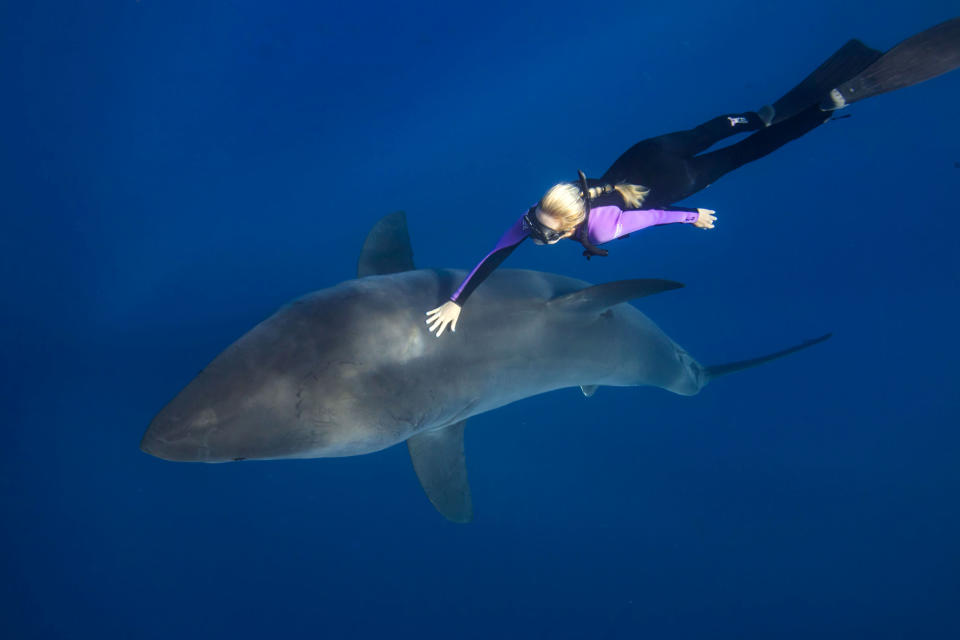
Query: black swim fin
(921, 57)
(845, 63)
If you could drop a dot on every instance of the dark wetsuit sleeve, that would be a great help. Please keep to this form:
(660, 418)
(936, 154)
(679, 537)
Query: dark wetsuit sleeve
(510, 241)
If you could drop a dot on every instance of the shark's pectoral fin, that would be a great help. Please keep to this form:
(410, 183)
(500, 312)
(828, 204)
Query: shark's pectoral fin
(603, 296)
(588, 389)
(387, 247)
(440, 464)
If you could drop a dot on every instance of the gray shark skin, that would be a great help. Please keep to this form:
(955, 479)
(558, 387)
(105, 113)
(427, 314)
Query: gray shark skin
(352, 369)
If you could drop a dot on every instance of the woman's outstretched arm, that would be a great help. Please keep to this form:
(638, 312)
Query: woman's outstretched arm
(610, 222)
(449, 312)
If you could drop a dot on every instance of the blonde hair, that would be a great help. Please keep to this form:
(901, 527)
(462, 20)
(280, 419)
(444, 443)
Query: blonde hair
(633, 194)
(563, 201)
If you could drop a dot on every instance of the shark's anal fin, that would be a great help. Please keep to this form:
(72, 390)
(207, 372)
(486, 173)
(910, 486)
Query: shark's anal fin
(588, 389)
(387, 247)
(441, 467)
(603, 296)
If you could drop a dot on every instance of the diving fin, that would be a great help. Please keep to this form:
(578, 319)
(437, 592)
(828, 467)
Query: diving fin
(926, 55)
(845, 63)
(723, 369)
(441, 467)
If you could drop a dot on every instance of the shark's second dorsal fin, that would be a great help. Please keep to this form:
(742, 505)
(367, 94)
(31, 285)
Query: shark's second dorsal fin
(588, 390)
(603, 296)
(387, 247)
(441, 467)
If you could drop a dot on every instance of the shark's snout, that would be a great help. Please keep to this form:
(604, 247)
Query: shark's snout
(185, 432)
(182, 450)
(174, 438)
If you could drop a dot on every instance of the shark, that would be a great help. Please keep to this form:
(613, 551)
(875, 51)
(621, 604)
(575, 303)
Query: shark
(352, 369)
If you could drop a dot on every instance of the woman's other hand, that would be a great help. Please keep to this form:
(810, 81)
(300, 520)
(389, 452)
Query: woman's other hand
(706, 219)
(445, 314)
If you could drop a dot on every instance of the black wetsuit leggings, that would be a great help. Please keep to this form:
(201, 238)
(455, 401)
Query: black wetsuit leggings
(670, 167)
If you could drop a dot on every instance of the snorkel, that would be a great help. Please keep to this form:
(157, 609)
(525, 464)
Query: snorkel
(542, 234)
(589, 249)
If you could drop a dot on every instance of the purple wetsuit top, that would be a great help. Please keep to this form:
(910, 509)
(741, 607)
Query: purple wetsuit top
(606, 224)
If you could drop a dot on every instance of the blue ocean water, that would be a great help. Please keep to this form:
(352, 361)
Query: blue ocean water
(173, 172)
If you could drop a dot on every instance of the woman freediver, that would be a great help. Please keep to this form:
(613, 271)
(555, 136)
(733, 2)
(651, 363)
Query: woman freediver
(634, 193)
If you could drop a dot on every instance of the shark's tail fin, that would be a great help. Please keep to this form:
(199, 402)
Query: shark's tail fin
(723, 369)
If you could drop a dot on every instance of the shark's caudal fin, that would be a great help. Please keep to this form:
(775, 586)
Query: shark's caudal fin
(602, 296)
(723, 369)
(441, 467)
(387, 247)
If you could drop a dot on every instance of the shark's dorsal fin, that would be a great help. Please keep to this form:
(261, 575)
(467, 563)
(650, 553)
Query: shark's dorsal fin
(387, 247)
(603, 296)
(588, 389)
(441, 467)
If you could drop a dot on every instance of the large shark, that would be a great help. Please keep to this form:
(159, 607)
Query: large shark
(353, 369)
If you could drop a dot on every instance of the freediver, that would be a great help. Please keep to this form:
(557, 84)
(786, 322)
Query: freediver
(636, 191)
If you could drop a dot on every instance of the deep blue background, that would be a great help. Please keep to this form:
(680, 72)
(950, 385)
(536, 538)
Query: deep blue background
(172, 173)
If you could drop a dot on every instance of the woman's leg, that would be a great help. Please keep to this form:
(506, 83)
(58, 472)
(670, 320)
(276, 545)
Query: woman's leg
(699, 139)
(661, 163)
(707, 168)
(679, 144)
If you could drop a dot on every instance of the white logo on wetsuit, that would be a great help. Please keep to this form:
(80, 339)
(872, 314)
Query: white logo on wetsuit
(735, 120)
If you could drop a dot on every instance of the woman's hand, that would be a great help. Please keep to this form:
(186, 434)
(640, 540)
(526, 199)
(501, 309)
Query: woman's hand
(445, 314)
(706, 219)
